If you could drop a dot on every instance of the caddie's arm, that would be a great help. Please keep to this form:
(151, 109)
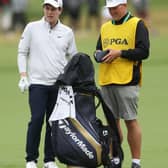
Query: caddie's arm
(142, 44)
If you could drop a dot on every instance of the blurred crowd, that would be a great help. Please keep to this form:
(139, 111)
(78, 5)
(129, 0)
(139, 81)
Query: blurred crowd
(73, 9)
(98, 14)
(141, 9)
(13, 13)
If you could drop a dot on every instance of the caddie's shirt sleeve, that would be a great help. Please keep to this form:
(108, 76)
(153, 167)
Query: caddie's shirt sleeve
(142, 44)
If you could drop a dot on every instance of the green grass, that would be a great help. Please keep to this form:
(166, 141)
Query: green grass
(152, 106)
(152, 109)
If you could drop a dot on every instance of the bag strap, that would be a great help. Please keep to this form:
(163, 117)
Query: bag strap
(107, 112)
(114, 134)
(116, 142)
(106, 143)
(108, 115)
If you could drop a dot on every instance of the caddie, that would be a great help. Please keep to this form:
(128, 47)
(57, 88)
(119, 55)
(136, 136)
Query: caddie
(126, 38)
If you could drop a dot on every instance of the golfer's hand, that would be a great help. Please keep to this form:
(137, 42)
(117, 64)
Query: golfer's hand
(23, 84)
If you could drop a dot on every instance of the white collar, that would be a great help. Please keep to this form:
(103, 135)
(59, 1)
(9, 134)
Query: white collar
(48, 25)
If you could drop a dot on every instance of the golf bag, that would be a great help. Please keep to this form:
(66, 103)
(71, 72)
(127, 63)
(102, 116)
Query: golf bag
(79, 138)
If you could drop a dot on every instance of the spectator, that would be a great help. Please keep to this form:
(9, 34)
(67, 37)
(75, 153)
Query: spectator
(19, 18)
(73, 9)
(93, 15)
(5, 15)
(105, 15)
(141, 8)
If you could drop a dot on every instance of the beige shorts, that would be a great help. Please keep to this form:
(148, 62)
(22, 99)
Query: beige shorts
(122, 100)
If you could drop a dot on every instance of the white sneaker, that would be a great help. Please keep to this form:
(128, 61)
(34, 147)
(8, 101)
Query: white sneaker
(50, 165)
(31, 164)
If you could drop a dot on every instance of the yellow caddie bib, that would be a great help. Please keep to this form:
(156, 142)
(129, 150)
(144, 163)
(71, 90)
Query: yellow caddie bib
(121, 37)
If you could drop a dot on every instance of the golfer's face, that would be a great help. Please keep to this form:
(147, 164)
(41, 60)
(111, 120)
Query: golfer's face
(118, 12)
(51, 14)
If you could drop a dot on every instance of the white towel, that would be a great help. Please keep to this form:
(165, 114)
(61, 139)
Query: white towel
(65, 105)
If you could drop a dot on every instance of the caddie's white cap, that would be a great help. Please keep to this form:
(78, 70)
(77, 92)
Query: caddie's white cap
(114, 3)
(54, 3)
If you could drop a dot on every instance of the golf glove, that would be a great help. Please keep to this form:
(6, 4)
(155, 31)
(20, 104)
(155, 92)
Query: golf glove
(23, 84)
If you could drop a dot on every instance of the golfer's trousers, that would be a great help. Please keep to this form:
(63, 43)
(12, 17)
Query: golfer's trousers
(41, 100)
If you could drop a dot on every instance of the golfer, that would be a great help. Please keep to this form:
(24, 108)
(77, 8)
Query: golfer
(44, 49)
(120, 73)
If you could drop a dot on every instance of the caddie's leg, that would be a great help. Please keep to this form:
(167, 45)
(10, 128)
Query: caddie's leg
(119, 130)
(134, 138)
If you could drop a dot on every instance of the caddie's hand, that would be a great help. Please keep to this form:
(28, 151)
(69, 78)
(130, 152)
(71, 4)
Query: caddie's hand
(111, 56)
(98, 55)
(23, 84)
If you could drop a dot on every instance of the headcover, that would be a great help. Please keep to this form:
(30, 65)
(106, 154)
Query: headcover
(78, 73)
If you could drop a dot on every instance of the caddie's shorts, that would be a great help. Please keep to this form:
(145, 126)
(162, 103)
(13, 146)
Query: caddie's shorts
(122, 100)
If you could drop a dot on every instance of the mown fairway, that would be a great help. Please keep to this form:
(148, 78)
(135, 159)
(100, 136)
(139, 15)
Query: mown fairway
(153, 107)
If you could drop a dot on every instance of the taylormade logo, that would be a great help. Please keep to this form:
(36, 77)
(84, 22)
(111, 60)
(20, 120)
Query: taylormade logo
(79, 142)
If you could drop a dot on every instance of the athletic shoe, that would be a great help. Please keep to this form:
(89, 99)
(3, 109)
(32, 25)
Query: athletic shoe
(134, 165)
(31, 164)
(50, 165)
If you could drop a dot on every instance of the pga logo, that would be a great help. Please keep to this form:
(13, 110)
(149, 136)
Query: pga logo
(116, 41)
